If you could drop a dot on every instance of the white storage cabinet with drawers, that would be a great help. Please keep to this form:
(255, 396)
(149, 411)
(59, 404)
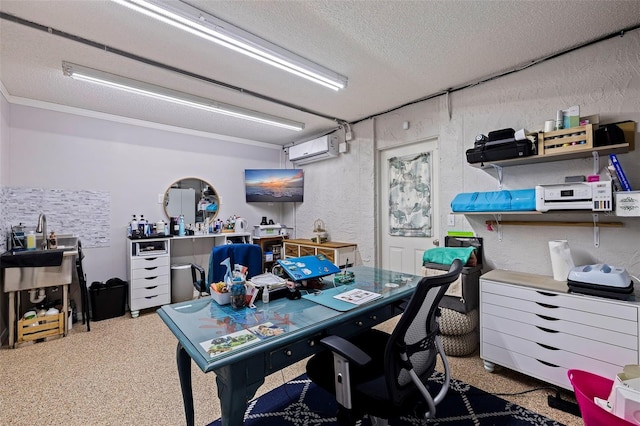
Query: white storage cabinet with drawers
(149, 269)
(531, 324)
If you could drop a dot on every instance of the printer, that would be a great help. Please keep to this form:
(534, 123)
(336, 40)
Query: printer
(594, 196)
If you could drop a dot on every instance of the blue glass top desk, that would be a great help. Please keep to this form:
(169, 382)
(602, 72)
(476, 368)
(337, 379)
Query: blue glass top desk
(199, 324)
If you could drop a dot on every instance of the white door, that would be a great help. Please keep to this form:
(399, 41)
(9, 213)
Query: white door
(407, 205)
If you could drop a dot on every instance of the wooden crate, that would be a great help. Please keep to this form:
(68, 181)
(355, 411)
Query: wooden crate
(575, 139)
(47, 326)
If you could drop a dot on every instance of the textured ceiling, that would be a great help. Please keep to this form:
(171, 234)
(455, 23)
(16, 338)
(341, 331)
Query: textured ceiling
(393, 52)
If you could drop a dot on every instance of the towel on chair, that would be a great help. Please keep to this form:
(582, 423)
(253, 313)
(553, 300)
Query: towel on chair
(446, 255)
(249, 255)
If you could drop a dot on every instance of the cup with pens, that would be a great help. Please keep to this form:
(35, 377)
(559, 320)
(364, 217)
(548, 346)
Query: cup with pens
(344, 276)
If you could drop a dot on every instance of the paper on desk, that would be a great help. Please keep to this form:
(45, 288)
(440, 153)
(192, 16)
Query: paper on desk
(357, 296)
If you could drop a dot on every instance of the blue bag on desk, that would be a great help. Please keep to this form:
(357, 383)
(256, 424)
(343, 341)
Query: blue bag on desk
(507, 200)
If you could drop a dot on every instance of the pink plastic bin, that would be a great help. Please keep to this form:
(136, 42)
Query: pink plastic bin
(587, 385)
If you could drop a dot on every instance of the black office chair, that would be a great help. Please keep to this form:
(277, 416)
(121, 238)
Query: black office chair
(384, 375)
(199, 280)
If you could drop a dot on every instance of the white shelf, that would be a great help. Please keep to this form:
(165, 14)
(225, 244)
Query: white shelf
(534, 212)
(534, 159)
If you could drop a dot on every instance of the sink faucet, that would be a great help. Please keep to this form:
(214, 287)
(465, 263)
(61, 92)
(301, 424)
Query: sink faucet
(42, 227)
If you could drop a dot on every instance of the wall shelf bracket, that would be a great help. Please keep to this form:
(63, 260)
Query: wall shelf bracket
(498, 219)
(499, 172)
(596, 231)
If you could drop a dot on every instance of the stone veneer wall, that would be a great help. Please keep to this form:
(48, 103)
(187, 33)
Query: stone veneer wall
(86, 214)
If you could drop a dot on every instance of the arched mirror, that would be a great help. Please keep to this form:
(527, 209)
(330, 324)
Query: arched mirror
(194, 198)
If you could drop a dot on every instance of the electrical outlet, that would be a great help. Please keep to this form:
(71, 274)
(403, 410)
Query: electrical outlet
(451, 220)
(160, 198)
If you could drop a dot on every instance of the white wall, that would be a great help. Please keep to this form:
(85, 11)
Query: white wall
(55, 150)
(602, 79)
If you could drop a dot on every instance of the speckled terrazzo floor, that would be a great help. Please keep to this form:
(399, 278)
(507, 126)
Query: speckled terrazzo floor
(123, 372)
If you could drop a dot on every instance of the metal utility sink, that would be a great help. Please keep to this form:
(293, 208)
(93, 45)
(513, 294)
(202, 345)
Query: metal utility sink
(35, 273)
(66, 242)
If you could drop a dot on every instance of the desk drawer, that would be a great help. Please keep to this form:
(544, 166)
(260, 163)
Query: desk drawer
(144, 292)
(150, 301)
(363, 322)
(284, 357)
(328, 253)
(150, 281)
(511, 294)
(610, 330)
(551, 373)
(307, 251)
(291, 250)
(148, 262)
(593, 319)
(152, 271)
(548, 365)
(496, 330)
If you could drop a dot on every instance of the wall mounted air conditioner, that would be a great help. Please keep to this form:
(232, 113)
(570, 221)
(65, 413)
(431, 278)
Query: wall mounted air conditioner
(314, 150)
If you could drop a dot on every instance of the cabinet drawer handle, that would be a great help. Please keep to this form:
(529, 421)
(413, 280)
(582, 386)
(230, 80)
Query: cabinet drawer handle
(150, 258)
(551, 348)
(152, 287)
(288, 352)
(150, 278)
(359, 323)
(151, 268)
(545, 305)
(544, 293)
(547, 363)
(151, 297)
(547, 330)
(544, 317)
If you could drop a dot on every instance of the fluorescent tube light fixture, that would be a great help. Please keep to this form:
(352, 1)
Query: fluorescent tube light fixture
(194, 21)
(79, 72)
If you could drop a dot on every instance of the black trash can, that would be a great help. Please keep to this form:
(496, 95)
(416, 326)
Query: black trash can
(108, 299)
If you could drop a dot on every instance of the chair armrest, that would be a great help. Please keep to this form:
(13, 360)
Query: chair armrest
(346, 349)
(199, 283)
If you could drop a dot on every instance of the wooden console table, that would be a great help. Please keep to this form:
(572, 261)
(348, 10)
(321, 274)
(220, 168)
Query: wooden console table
(339, 253)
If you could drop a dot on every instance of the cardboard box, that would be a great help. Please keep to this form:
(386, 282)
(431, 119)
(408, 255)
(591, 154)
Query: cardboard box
(628, 203)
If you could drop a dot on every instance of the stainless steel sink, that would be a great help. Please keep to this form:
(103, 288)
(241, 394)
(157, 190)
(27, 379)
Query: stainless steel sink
(66, 242)
(31, 277)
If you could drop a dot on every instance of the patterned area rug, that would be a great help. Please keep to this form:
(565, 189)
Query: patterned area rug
(301, 403)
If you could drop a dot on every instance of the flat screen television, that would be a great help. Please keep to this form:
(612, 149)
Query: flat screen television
(274, 185)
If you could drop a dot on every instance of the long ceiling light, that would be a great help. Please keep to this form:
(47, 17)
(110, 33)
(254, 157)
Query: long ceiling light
(79, 72)
(194, 21)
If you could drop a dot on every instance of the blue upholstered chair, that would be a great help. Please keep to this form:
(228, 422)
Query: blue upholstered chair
(249, 255)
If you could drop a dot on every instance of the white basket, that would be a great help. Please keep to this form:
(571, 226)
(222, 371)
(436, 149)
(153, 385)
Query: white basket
(221, 298)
